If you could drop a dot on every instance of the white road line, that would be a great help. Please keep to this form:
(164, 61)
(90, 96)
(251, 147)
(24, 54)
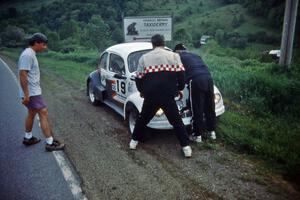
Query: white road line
(11, 72)
(62, 162)
(69, 177)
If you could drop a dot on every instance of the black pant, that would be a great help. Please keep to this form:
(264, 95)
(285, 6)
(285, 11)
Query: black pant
(168, 105)
(202, 104)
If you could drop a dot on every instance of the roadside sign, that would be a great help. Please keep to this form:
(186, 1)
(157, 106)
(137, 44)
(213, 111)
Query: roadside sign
(142, 28)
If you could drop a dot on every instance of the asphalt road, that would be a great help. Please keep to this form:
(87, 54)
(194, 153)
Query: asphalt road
(26, 173)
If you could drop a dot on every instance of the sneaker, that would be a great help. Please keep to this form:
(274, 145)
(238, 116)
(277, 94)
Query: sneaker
(187, 151)
(213, 135)
(31, 141)
(133, 144)
(55, 146)
(196, 138)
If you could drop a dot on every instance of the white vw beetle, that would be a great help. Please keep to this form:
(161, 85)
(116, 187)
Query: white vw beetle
(113, 84)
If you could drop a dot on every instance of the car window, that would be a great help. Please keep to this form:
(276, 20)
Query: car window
(103, 59)
(116, 64)
(133, 59)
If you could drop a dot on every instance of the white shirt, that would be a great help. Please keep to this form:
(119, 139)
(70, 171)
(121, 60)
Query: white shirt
(29, 62)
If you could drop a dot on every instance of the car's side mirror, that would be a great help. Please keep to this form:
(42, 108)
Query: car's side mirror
(119, 76)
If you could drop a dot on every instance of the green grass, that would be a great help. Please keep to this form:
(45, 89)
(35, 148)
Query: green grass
(274, 139)
(262, 109)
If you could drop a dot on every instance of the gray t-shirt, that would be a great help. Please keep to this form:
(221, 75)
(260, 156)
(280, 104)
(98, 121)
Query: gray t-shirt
(29, 62)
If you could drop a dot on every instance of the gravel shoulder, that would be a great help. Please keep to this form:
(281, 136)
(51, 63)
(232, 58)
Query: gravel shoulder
(97, 145)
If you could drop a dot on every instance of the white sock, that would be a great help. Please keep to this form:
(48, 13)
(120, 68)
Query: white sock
(28, 135)
(49, 140)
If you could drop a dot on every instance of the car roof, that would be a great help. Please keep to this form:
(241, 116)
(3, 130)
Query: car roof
(124, 49)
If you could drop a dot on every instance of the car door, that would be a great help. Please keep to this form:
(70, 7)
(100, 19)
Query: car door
(116, 80)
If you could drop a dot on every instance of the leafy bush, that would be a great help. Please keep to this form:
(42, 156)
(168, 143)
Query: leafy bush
(263, 37)
(237, 42)
(252, 83)
(267, 92)
(181, 35)
(13, 36)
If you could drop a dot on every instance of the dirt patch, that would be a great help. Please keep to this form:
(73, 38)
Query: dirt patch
(97, 144)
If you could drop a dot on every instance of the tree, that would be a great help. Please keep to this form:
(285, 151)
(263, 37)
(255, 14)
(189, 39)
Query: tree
(13, 36)
(69, 29)
(12, 12)
(241, 18)
(238, 42)
(219, 35)
(97, 33)
(132, 8)
(181, 35)
(53, 41)
(117, 35)
(235, 22)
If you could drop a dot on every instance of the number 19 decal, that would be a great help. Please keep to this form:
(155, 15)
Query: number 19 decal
(121, 87)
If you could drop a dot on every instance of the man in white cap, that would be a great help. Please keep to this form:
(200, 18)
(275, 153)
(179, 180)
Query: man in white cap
(160, 77)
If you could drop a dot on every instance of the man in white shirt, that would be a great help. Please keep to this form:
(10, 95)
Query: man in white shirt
(160, 78)
(31, 93)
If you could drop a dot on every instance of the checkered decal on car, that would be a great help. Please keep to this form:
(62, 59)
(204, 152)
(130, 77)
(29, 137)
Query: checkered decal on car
(160, 68)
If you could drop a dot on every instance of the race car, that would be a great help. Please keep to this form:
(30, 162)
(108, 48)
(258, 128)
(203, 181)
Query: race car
(113, 84)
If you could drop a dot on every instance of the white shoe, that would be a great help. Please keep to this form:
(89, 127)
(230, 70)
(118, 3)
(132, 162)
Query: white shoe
(133, 144)
(213, 135)
(187, 151)
(195, 138)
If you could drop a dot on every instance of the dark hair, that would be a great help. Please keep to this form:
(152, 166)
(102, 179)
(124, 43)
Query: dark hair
(37, 37)
(158, 40)
(179, 46)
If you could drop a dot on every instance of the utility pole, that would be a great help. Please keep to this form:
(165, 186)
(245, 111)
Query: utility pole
(288, 32)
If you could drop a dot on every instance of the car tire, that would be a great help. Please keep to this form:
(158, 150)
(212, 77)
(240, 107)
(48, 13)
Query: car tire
(92, 96)
(132, 116)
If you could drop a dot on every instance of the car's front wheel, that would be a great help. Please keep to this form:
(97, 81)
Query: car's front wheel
(92, 96)
(132, 117)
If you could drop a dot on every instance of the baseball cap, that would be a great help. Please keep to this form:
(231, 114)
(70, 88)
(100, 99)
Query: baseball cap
(179, 46)
(38, 37)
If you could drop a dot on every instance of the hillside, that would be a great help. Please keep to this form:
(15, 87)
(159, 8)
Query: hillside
(97, 24)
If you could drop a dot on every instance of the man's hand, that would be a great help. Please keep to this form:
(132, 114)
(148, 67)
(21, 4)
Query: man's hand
(180, 94)
(25, 101)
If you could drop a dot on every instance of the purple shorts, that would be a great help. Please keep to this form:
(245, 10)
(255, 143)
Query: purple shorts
(36, 102)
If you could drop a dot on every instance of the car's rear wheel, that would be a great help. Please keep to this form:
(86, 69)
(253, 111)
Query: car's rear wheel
(92, 96)
(132, 117)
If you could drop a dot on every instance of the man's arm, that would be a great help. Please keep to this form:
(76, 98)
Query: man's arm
(180, 72)
(180, 79)
(24, 85)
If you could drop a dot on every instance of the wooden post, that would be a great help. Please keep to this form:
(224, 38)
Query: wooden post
(286, 50)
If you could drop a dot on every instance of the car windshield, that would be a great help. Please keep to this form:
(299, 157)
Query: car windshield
(133, 59)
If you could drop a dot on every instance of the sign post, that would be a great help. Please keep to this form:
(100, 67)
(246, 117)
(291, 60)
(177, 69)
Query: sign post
(288, 32)
(144, 27)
